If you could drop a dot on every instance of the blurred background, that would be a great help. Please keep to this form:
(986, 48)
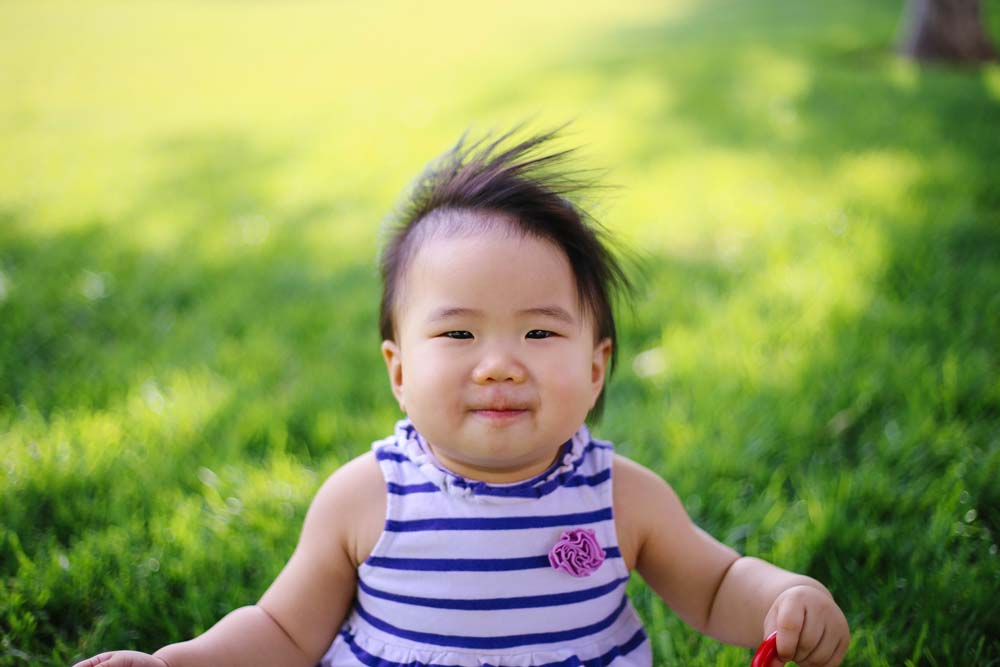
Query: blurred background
(190, 196)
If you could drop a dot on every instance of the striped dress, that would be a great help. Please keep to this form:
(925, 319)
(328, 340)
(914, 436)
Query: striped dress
(461, 575)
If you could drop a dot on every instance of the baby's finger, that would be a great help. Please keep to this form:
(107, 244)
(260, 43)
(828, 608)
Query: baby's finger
(811, 646)
(122, 659)
(835, 646)
(101, 658)
(823, 655)
(838, 653)
(791, 618)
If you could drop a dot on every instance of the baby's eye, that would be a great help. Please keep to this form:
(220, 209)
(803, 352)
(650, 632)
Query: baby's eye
(458, 335)
(539, 333)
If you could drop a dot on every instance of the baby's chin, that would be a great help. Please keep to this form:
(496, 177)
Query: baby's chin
(489, 460)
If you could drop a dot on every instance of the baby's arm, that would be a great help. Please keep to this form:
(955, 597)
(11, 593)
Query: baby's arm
(296, 619)
(736, 600)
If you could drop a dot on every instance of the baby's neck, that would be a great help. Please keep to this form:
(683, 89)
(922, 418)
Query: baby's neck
(493, 475)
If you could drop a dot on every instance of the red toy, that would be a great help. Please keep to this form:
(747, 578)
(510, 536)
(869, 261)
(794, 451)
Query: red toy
(766, 652)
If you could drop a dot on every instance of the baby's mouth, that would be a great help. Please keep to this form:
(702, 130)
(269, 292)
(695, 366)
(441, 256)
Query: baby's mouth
(500, 412)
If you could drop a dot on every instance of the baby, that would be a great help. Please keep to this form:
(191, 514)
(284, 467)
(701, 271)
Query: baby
(491, 528)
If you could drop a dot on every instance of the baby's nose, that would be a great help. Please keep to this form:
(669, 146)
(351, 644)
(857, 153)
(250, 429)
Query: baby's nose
(499, 366)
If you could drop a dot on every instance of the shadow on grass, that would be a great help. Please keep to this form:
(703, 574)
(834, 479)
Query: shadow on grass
(142, 381)
(881, 447)
(896, 455)
(91, 310)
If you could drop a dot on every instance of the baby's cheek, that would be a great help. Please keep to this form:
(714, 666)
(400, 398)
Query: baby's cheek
(572, 391)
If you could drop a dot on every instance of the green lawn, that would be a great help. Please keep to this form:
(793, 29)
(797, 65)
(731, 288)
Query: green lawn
(190, 194)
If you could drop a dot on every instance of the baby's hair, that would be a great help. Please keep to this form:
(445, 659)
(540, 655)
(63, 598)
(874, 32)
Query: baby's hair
(517, 188)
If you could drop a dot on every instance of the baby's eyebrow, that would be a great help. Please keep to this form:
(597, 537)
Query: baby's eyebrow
(555, 312)
(445, 313)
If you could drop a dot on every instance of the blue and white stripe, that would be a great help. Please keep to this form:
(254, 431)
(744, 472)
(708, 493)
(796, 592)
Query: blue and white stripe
(460, 575)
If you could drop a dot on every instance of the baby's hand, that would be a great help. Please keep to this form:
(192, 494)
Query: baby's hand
(812, 630)
(123, 659)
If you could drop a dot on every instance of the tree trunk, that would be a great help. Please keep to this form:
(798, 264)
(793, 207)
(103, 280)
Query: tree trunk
(947, 30)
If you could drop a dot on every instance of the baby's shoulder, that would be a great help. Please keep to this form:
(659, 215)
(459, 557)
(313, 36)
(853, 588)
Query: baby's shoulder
(351, 505)
(361, 477)
(643, 501)
(633, 479)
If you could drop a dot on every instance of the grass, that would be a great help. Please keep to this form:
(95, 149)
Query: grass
(189, 199)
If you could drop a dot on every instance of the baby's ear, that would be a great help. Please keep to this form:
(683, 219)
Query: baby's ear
(602, 353)
(394, 365)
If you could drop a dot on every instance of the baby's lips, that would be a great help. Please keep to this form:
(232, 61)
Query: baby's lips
(500, 401)
(502, 407)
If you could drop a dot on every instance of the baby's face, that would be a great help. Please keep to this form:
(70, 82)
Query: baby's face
(494, 361)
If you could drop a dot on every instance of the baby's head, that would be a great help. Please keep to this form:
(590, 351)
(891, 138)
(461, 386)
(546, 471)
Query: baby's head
(497, 299)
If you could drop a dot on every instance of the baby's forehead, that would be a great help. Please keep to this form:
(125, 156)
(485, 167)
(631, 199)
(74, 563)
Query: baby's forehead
(451, 223)
(471, 228)
(503, 264)
(531, 271)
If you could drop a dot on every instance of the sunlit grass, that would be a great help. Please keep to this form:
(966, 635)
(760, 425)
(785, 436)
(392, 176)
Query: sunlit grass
(190, 195)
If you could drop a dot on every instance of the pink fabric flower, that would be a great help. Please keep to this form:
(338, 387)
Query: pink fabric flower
(577, 552)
